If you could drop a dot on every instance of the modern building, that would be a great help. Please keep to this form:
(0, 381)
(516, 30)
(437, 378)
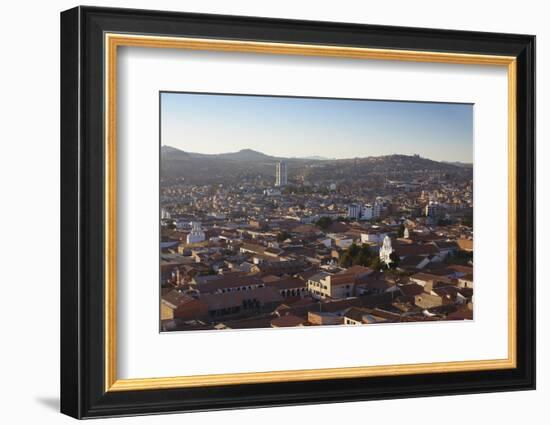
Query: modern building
(281, 178)
(432, 209)
(360, 212)
(367, 212)
(377, 208)
(354, 211)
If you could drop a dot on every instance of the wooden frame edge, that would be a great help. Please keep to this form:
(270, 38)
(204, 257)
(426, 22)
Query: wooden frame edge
(114, 40)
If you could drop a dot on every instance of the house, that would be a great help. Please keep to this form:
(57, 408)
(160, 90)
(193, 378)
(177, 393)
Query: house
(465, 245)
(373, 238)
(414, 262)
(361, 316)
(324, 318)
(175, 305)
(410, 290)
(252, 248)
(447, 247)
(374, 283)
(466, 281)
(427, 301)
(428, 280)
(325, 285)
(335, 286)
(239, 303)
(291, 287)
(288, 321)
(407, 250)
(221, 284)
(342, 240)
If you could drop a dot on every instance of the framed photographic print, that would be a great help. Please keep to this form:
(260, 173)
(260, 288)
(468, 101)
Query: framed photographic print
(261, 212)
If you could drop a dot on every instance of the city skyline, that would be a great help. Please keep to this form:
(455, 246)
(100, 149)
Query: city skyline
(290, 127)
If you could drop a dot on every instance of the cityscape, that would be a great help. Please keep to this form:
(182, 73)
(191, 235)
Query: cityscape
(255, 239)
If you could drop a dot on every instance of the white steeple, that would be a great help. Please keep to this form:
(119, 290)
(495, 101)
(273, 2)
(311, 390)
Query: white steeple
(385, 251)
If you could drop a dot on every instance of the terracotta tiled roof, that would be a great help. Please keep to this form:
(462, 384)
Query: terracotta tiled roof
(287, 321)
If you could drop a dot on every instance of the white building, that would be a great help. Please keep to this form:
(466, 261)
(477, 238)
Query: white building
(377, 209)
(376, 238)
(360, 212)
(281, 178)
(196, 235)
(341, 240)
(272, 192)
(367, 212)
(432, 209)
(386, 250)
(354, 211)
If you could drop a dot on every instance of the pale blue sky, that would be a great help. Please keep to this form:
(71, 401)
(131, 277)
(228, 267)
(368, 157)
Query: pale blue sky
(333, 128)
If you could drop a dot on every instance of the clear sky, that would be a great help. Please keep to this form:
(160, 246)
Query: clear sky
(332, 128)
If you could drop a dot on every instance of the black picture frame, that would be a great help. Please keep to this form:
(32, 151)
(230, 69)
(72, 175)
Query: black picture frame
(83, 392)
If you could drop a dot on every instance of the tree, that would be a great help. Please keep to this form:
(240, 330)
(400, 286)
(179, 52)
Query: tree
(283, 236)
(394, 260)
(401, 231)
(356, 255)
(376, 263)
(353, 250)
(362, 259)
(346, 260)
(324, 223)
(366, 249)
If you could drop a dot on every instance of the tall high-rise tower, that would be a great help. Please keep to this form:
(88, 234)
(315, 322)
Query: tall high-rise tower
(280, 174)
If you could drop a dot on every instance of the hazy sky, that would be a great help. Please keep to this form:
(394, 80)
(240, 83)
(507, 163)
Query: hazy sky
(333, 128)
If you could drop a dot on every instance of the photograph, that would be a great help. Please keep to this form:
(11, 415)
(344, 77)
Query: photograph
(284, 205)
(283, 211)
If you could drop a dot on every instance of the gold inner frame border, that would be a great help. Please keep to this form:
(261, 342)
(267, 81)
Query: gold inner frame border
(113, 40)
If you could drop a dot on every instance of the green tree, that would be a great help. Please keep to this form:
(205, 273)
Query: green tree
(376, 263)
(394, 260)
(324, 223)
(401, 231)
(283, 236)
(354, 250)
(362, 259)
(346, 260)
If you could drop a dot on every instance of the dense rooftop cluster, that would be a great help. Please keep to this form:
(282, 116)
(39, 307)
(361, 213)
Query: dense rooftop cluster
(339, 243)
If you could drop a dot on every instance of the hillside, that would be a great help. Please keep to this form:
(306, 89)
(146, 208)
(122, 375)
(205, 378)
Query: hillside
(248, 164)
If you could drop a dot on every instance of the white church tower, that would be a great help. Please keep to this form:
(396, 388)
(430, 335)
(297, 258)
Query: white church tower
(385, 251)
(196, 235)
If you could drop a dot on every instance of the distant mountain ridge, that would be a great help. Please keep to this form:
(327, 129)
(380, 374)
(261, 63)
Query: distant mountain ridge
(242, 155)
(170, 152)
(459, 164)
